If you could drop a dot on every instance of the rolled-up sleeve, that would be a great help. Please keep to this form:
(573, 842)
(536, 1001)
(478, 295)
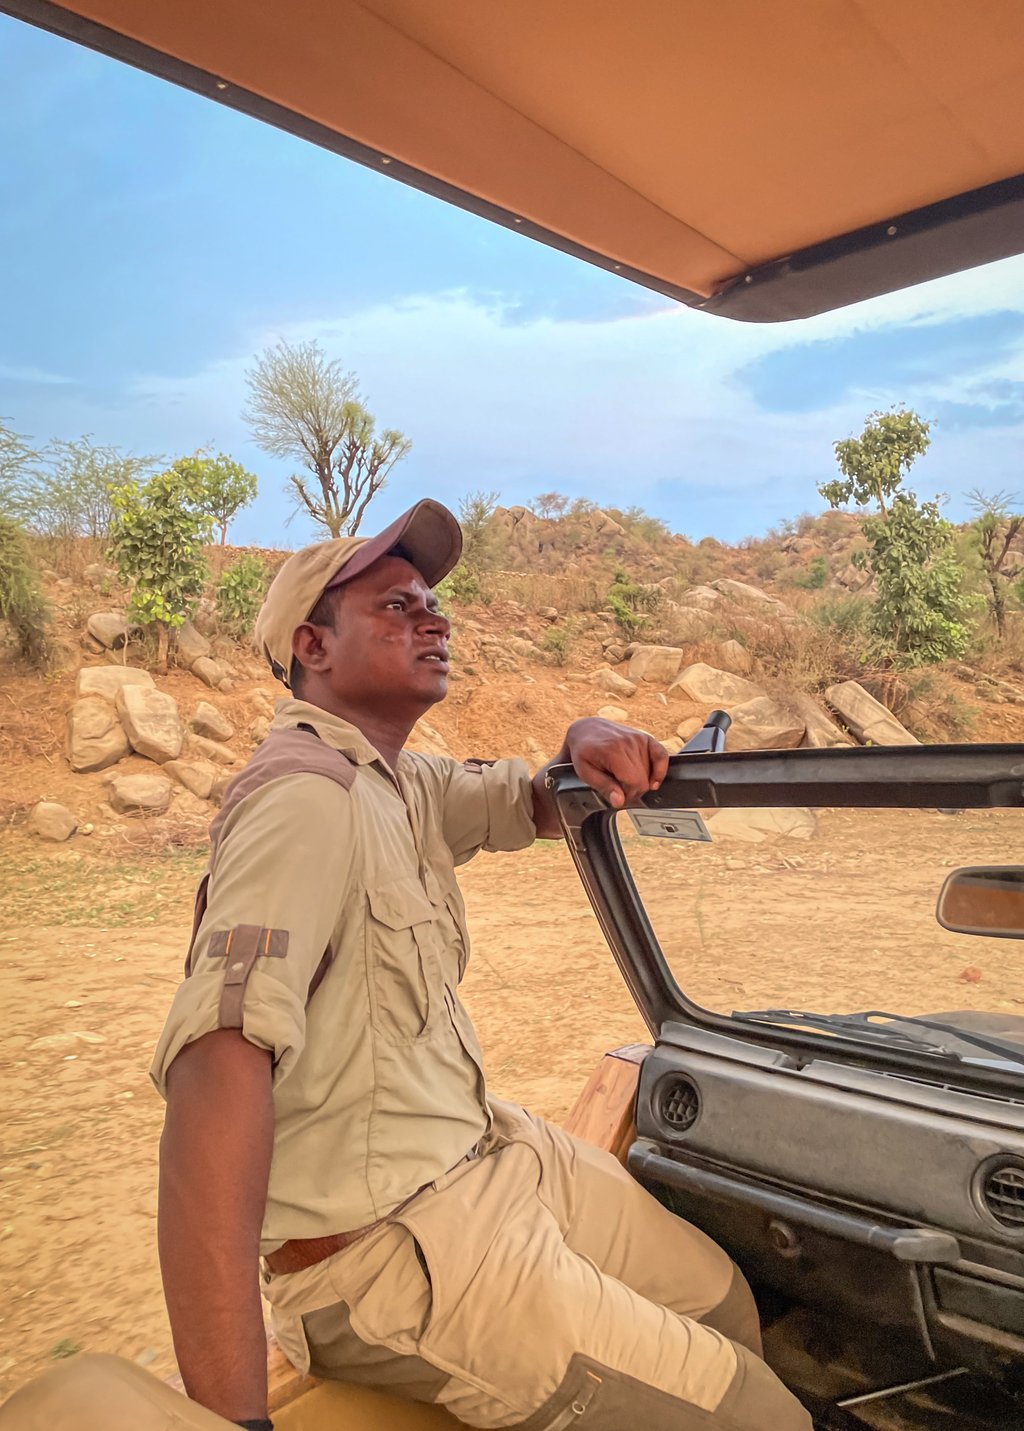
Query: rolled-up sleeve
(283, 865)
(487, 807)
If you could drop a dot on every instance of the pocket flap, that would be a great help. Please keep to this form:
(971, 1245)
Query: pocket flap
(401, 904)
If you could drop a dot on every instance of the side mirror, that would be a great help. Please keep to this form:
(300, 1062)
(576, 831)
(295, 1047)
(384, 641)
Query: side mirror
(984, 899)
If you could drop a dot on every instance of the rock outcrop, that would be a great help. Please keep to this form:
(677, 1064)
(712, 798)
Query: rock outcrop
(656, 664)
(763, 724)
(866, 718)
(51, 821)
(95, 736)
(151, 722)
(140, 794)
(713, 688)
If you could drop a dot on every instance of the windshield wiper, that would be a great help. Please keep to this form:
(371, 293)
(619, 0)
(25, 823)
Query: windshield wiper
(859, 1026)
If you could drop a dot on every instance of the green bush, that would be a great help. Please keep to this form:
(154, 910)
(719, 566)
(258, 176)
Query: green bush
(557, 643)
(22, 604)
(156, 544)
(814, 575)
(240, 594)
(631, 603)
(460, 585)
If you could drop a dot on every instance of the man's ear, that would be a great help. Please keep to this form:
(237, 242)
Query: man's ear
(308, 647)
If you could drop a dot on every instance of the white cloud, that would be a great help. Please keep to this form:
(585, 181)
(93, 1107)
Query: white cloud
(632, 409)
(19, 373)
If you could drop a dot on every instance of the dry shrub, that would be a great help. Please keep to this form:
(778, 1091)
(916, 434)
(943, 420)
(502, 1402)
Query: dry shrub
(68, 556)
(156, 834)
(566, 592)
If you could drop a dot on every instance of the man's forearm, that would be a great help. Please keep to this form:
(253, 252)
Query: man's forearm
(214, 1166)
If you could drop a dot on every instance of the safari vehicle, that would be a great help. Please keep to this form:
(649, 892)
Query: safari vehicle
(760, 162)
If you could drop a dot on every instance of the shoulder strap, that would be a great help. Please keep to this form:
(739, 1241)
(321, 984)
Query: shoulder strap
(296, 751)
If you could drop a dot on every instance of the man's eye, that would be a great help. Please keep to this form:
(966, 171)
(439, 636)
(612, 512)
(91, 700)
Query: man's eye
(397, 601)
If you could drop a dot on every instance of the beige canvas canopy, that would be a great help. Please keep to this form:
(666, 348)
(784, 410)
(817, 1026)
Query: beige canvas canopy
(763, 159)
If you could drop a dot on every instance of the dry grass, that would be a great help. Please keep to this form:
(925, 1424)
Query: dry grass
(567, 592)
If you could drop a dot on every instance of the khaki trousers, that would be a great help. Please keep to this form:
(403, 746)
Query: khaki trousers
(538, 1285)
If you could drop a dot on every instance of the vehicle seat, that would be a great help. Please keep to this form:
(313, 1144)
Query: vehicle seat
(106, 1393)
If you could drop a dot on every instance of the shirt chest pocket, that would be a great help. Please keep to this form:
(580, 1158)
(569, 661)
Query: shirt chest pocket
(406, 985)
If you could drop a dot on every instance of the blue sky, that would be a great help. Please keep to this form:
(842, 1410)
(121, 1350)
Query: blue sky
(151, 243)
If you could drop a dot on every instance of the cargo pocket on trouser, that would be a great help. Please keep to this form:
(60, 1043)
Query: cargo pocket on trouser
(403, 964)
(598, 1398)
(372, 1335)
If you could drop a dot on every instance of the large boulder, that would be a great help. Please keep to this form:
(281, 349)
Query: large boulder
(613, 683)
(140, 794)
(207, 720)
(694, 623)
(95, 736)
(110, 628)
(211, 673)
(733, 657)
(657, 664)
(106, 681)
(51, 821)
(753, 827)
(99, 576)
(704, 597)
(865, 717)
(191, 645)
(263, 704)
(151, 722)
(213, 750)
(713, 688)
(197, 776)
(743, 591)
(820, 732)
(763, 724)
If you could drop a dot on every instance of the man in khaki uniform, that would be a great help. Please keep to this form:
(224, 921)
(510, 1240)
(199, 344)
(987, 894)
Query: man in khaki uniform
(327, 1110)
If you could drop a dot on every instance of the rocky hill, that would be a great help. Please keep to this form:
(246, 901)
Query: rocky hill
(107, 749)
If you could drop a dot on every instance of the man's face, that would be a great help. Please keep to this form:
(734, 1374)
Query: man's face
(390, 642)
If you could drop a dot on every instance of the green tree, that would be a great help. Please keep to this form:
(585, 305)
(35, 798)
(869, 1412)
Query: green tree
(481, 539)
(308, 409)
(17, 462)
(919, 610)
(996, 528)
(226, 485)
(22, 605)
(157, 540)
(71, 492)
(240, 592)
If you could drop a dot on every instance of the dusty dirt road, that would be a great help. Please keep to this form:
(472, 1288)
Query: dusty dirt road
(91, 951)
(85, 985)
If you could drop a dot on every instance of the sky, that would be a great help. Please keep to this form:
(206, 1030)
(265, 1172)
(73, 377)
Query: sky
(152, 243)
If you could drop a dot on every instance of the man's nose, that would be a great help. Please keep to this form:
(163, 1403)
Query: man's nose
(437, 622)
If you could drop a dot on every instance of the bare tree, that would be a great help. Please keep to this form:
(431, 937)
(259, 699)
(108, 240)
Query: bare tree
(996, 529)
(304, 407)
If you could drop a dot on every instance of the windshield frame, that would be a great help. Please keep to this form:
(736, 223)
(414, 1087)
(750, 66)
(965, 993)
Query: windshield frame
(927, 777)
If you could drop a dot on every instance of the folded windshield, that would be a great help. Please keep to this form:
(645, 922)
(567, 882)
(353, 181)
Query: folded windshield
(786, 910)
(897, 1030)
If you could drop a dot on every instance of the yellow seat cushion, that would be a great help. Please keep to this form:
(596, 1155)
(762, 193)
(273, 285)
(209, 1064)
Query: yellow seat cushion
(338, 1406)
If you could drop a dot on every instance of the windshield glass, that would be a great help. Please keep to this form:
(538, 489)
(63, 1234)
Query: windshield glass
(829, 912)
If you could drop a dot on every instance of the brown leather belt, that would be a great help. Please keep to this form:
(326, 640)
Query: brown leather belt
(302, 1252)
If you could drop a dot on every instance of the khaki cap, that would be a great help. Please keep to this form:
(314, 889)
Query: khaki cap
(427, 535)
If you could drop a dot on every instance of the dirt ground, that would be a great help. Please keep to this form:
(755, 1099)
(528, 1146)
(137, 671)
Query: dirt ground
(85, 985)
(92, 951)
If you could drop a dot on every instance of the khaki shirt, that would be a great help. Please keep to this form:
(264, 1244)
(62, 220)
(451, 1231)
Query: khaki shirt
(378, 1081)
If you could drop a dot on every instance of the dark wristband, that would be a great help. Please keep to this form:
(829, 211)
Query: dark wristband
(261, 1423)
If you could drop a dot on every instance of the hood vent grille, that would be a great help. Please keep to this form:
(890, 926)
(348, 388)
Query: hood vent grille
(1003, 1192)
(679, 1107)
